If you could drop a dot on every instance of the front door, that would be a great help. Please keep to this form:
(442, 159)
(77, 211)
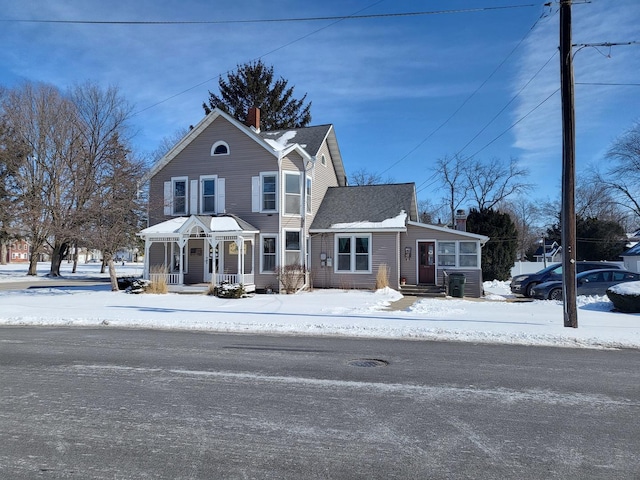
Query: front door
(427, 262)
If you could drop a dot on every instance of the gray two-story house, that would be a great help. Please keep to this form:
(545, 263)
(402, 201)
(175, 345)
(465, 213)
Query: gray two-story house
(232, 203)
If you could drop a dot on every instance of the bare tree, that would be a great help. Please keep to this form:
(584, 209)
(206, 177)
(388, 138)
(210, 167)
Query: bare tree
(494, 181)
(452, 173)
(115, 209)
(622, 176)
(38, 118)
(525, 214)
(363, 176)
(428, 212)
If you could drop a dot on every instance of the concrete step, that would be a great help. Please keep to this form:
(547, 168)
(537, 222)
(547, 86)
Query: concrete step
(423, 290)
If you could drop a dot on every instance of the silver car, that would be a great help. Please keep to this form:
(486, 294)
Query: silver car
(593, 282)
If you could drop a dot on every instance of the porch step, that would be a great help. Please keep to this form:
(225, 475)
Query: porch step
(423, 290)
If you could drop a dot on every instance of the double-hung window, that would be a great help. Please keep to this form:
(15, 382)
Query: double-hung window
(208, 194)
(353, 253)
(292, 193)
(292, 247)
(179, 189)
(308, 196)
(269, 258)
(269, 192)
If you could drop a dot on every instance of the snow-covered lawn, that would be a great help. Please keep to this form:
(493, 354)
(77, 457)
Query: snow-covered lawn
(493, 319)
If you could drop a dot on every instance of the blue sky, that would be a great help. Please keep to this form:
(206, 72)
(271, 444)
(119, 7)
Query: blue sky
(399, 90)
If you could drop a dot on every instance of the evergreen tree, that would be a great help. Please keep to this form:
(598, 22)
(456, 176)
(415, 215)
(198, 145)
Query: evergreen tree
(253, 85)
(499, 253)
(595, 239)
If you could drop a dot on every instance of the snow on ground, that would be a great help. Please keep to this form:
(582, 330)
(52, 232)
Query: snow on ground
(496, 318)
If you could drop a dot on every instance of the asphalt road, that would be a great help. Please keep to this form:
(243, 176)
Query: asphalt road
(120, 404)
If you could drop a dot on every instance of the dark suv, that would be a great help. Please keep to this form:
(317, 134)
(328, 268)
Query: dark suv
(522, 284)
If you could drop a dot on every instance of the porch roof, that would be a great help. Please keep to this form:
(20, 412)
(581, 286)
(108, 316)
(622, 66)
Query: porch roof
(229, 224)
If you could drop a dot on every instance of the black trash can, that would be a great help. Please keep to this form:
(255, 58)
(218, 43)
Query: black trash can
(456, 284)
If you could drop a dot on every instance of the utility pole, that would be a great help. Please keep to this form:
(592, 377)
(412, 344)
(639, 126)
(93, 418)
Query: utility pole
(568, 216)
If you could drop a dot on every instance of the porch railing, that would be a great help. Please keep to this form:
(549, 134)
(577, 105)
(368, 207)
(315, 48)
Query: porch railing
(169, 278)
(234, 278)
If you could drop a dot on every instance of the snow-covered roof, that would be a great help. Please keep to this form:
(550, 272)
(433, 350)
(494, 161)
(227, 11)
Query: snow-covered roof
(218, 224)
(397, 222)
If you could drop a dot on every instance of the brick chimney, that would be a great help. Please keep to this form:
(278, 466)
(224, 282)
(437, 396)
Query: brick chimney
(461, 220)
(253, 118)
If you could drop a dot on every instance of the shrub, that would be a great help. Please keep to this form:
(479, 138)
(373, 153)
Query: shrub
(227, 290)
(138, 285)
(625, 300)
(159, 284)
(291, 277)
(382, 277)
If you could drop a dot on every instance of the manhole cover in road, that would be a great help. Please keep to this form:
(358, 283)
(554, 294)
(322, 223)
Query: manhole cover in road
(367, 362)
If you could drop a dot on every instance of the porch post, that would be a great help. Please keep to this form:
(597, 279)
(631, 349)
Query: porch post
(147, 247)
(240, 243)
(213, 243)
(181, 243)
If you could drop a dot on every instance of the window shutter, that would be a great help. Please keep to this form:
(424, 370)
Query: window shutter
(168, 198)
(193, 197)
(221, 207)
(255, 194)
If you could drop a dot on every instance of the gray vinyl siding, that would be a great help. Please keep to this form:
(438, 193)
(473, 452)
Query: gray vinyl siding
(246, 159)
(384, 252)
(408, 269)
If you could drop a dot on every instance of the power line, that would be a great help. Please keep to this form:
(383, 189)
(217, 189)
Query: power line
(517, 122)
(508, 103)
(257, 58)
(466, 100)
(609, 84)
(268, 20)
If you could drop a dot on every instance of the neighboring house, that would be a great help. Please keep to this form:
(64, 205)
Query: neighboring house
(552, 251)
(18, 252)
(631, 258)
(230, 203)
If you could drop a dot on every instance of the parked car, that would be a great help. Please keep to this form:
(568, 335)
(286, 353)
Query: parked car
(591, 282)
(522, 284)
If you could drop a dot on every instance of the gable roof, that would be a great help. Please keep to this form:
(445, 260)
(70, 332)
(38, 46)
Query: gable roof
(208, 223)
(633, 251)
(307, 141)
(311, 140)
(367, 207)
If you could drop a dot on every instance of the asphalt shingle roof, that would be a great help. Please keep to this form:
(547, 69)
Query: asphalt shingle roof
(309, 138)
(366, 203)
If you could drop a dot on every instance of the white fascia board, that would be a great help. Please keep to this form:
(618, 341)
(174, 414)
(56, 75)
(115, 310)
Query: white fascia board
(475, 236)
(356, 230)
(197, 130)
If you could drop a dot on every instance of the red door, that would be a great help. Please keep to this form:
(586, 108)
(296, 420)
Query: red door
(427, 263)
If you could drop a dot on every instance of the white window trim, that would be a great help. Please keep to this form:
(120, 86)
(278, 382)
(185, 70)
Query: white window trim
(284, 193)
(263, 236)
(284, 245)
(457, 254)
(352, 261)
(186, 195)
(216, 145)
(203, 178)
(277, 197)
(323, 160)
(308, 201)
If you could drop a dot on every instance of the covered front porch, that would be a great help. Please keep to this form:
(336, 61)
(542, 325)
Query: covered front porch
(192, 253)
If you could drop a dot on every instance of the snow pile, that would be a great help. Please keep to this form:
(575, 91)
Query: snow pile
(493, 319)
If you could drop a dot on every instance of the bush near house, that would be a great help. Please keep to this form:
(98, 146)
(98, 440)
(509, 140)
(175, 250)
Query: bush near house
(291, 277)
